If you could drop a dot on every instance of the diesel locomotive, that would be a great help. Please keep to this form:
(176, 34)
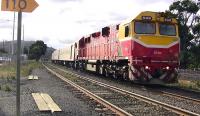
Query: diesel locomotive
(143, 49)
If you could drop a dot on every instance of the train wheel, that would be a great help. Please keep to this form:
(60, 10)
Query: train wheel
(106, 73)
(115, 76)
(100, 70)
(125, 76)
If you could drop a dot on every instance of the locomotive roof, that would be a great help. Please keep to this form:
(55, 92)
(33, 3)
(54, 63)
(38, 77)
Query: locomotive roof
(156, 16)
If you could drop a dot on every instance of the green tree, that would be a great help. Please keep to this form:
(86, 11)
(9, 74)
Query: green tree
(26, 50)
(2, 50)
(194, 56)
(186, 12)
(37, 50)
(196, 31)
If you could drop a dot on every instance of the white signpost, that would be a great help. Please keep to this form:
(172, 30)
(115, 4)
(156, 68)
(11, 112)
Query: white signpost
(18, 6)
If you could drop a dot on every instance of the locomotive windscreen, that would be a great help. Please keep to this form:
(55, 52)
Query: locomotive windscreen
(145, 27)
(167, 29)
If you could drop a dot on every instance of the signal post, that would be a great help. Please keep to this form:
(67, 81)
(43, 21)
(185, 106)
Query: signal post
(18, 6)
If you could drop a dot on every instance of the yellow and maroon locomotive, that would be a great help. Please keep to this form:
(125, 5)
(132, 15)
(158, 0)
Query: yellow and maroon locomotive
(143, 49)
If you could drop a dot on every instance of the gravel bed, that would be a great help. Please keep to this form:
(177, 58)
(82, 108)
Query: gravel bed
(142, 90)
(70, 103)
(129, 104)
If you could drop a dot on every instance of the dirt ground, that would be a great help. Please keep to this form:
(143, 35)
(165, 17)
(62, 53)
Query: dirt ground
(47, 83)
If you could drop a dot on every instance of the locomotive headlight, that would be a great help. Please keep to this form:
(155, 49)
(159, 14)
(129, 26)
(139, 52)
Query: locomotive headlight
(147, 67)
(167, 67)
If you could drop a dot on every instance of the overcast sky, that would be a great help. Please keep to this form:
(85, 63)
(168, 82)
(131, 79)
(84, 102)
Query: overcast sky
(61, 22)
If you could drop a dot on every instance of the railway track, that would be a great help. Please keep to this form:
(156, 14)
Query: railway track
(169, 94)
(112, 107)
(181, 97)
(126, 102)
(177, 96)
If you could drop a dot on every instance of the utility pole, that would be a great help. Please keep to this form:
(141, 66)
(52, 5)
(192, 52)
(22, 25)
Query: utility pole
(18, 61)
(23, 41)
(3, 44)
(13, 35)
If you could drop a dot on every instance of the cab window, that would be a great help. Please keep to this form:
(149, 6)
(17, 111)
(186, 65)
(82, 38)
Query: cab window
(145, 27)
(167, 29)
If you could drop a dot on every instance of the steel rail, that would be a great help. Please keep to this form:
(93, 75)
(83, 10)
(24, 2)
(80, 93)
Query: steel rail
(180, 96)
(137, 96)
(98, 99)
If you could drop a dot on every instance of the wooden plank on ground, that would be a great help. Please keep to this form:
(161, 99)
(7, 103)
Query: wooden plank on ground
(33, 77)
(30, 77)
(52, 105)
(42, 105)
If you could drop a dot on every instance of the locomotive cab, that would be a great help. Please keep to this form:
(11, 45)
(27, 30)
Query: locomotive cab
(151, 43)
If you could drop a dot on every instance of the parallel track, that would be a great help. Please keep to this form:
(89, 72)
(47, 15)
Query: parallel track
(175, 95)
(127, 93)
(108, 105)
(181, 97)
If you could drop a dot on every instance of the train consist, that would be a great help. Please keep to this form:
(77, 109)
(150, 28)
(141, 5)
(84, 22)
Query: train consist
(141, 49)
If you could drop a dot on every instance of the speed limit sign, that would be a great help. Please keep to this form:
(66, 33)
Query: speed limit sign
(19, 5)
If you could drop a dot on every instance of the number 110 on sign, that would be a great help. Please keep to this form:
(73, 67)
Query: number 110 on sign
(11, 5)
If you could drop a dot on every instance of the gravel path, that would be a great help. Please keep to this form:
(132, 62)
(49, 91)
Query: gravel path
(57, 89)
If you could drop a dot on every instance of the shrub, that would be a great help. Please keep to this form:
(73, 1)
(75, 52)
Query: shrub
(7, 88)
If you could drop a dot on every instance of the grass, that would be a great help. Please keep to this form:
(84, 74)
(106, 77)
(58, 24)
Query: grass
(194, 85)
(7, 88)
(187, 84)
(8, 71)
